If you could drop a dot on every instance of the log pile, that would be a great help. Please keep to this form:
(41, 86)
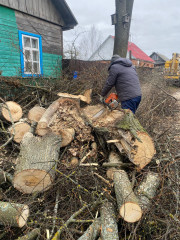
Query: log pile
(117, 134)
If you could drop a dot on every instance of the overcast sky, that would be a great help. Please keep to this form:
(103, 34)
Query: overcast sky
(155, 25)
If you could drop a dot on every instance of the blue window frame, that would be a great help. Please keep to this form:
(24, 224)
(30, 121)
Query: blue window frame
(31, 54)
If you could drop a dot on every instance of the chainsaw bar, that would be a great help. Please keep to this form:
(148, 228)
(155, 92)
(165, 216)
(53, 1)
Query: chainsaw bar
(99, 113)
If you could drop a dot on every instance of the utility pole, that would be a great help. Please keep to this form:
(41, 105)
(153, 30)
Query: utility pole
(122, 21)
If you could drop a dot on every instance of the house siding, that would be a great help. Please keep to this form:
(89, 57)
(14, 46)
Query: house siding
(9, 43)
(10, 22)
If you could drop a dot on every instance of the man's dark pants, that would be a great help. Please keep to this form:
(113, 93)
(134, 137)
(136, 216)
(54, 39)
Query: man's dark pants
(131, 104)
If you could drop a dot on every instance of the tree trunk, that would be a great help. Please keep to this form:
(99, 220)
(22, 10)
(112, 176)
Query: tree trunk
(93, 231)
(147, 189)
(36, 113)
(128, 204)
(131, 139)
(10, 111)
(35, 169)
(122, 28)
(31, 235)
(19, 129)
(109, 225)
(13, 214)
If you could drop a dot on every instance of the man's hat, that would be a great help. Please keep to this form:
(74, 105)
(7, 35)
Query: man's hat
(114, 58)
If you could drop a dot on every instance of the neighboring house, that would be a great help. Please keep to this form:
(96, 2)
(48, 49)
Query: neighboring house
(158, 58)
(31, 39)
(137, 56)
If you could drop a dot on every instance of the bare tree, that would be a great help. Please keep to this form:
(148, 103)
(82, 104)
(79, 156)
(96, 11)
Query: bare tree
(122, 26)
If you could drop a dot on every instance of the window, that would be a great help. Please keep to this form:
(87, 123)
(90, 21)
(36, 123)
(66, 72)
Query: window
(31, 54)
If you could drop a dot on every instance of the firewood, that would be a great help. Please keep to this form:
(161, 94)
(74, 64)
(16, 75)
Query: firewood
(5, 176)
(93, 231)
(31, 235)
(46, 117)
(147, 189)
(13, 214)
(35, 169)
(36, 113)
(109, 225)
(85, 98)
(124, 128)
(128, 203)
(19, 129)
(10, 111)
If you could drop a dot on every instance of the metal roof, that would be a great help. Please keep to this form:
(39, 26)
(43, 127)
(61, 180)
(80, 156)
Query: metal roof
(138, 53)
(164, 58)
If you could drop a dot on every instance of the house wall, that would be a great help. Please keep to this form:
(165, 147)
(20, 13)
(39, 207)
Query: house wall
(43, 9)
(10, 22)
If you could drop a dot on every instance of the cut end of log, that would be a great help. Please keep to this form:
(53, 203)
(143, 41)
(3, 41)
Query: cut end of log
(66, 134)
(29, 181)
(74, 162)
(143, 151)
(19, 130)
(36, 113)
(43, 131)
(24, 216)
(131, 212)
(15, 110)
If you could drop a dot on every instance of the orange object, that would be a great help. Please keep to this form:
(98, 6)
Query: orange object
(111, 98)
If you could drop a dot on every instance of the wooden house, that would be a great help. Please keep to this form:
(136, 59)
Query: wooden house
(137, 56)
(159, 59)
(31, 39)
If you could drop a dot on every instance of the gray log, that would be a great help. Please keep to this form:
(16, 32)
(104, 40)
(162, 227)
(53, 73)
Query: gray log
(109, 224)
(147, 189)
(128, 203)
(13, 214)
(31, 235)
(35, 169)
(93, 231)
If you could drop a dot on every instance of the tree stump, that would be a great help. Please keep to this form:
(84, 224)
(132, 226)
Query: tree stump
(128, 203)
(147, 189)
(122, 128)
(19, 129)
(35, 169)
(13, 214)
(109, 225)
(36, 113)
(11, 111)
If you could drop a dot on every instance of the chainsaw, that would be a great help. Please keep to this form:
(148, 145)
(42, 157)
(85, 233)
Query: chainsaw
(111, 102)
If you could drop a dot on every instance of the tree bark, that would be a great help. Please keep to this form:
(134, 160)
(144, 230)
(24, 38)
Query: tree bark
(85, 98)
(109, 225)
(128, 204)
(10, 111)
(13, 214)
(93, 231)
(147, 189)
(131, 138)
(35, 169)
(36, 113)
(31, 235)
(19, 129)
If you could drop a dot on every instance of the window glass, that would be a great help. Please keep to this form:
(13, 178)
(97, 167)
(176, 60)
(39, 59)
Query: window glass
(28, 67)
(27, 55)
(36, 67)
(35, 55)
(27, 42)
(35, 43)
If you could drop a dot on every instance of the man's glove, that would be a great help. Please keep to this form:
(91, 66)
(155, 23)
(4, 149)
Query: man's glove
(102, 99)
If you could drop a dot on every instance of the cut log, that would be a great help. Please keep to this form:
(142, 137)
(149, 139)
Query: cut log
(46, 118)
(35, 169)
(11, 111)
(67, 134)
(109, 225)
(113, 158)
(122, 126)
(147, 189)
(36, 113)
(93, 231)
(5, 176)
(85, 98)
(128, 203)
(13, 214)
(31, 235)
(19, 129)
